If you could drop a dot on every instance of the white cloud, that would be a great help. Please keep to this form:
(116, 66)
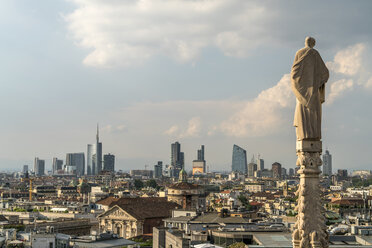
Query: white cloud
(268, 113)
(172, 131)
(348, 61)
(115, 128)
(123, 33)
(262, 115)
(338, 88)
(368, 85)
(192, 130)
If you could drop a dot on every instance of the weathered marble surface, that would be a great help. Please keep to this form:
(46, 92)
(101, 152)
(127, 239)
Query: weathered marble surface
(308, 77)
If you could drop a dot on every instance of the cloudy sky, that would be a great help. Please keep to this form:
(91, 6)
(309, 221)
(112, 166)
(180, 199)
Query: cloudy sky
(151, 72)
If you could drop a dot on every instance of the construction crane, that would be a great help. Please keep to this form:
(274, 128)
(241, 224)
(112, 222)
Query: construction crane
(29, 180)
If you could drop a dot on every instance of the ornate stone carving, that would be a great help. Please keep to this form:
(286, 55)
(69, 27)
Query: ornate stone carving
(310, 229)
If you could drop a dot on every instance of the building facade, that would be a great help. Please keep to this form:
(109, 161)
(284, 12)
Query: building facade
(39, 167)
(130, 217)
(239, 160)
(158, 170)
(177, 159)
(327, 163)
(75, 161)
(199, 165)
(252, 167)
(276, 169)
(94, 157)
(57, 165)
(109, 162)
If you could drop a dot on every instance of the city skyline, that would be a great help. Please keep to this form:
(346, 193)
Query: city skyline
(213, 85)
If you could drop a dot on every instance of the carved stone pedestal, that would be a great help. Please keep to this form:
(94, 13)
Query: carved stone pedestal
(310, 228)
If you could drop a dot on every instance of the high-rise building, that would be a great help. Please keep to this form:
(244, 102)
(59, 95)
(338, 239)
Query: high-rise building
(284, 173)
(90, 161)
(201, 153)
(39, 167)
(75, 163)
(277, 170)
(158, 169)
(342, 174)
(327, 163)
(25, 169)
(260, 163)
(109, 162)
(57, 165)
(291, 172)
(239, 160)
(177, 159)
(94, 157)
(198, 165)
(252, 167)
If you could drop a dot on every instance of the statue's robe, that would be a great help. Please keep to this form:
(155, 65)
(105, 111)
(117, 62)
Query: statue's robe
(308, 77)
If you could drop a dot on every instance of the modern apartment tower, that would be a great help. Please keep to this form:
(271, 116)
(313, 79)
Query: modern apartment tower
(239, 160)
(327, 163)
(177, 159)
(94, 157)
(39, 167)
(276, 168)
(75, 163)
(158, 169)
(109, 162)
(57, 165)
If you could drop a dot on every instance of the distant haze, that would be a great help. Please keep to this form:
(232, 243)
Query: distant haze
(153, 72)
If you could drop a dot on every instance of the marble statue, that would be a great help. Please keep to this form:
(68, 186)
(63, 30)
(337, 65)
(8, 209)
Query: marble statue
(308, 77)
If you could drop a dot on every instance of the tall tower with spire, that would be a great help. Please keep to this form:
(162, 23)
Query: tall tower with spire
(94, 156)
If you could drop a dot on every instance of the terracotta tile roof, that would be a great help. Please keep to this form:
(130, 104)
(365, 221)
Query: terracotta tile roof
(107, 201)
(183, 185)
(146, 208)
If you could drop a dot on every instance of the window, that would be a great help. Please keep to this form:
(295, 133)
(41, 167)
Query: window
(50, 244)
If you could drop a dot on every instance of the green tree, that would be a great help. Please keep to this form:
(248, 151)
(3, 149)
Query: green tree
(245, 202)
(138, 184)
(152, 184)
(237, 245)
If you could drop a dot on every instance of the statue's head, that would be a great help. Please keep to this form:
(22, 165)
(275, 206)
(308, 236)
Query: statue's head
(309, 42)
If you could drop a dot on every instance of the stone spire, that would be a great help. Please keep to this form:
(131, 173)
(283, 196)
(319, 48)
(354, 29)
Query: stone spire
(310, 230)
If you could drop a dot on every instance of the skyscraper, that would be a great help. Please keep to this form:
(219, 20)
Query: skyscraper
(94, 156)
(57, 165)
(76, 162)
(39, 167)
(177, 159)
(252, 167)
(198, 165)
(25, 168)
(260, 163)
(109, 162)
(201, 153)
(239, 160)
(277, 170)
(158, 169)
(327, 163)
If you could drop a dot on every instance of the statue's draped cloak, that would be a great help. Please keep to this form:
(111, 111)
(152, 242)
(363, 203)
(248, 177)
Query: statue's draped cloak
(308, 77)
